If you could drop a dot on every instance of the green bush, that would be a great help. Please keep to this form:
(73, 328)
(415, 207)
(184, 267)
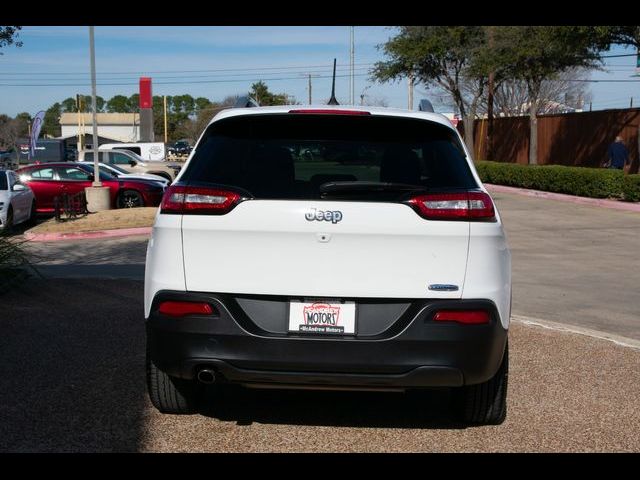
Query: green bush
(631, 188)
(583, 182)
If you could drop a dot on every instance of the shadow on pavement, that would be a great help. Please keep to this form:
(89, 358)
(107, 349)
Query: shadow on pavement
(71, 366)
(416, 409)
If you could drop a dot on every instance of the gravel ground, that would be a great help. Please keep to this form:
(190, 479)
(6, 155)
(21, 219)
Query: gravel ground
(72, 380)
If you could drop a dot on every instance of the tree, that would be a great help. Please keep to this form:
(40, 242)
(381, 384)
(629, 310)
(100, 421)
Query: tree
(445, 56)
(202, 103)
(260, 92)
(118, 104)
(10, 133)
(556, 95)
(8, 36)
(24, 120)
(51, 124)
(534, 54)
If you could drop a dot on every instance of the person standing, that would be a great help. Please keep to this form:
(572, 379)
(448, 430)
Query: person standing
(618, 155)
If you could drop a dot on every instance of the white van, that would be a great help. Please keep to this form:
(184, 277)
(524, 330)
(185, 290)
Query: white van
(154, 151)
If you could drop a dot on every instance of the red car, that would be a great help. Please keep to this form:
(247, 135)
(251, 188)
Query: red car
(48, 180)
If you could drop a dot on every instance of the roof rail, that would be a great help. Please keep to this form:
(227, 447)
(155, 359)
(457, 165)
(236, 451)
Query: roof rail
(245, 102)
(425, 106)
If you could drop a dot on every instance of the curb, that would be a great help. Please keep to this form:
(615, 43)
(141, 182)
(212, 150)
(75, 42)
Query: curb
(120, 232)
(560, 327)
(593, 202)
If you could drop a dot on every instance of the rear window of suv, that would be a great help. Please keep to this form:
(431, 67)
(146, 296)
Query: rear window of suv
(290, 156)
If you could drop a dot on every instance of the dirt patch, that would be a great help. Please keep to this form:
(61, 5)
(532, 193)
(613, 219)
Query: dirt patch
(105, 220)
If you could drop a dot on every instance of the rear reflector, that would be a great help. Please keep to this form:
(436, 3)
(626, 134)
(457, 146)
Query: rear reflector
(467, 317)
(454, 206)
(181, 309)
(329, 111)
(198, 200)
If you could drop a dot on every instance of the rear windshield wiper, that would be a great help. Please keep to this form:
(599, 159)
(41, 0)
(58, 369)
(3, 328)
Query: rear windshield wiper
(363, 186)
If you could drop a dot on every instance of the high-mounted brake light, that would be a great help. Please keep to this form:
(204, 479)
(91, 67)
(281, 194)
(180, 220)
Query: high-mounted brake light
(329, 111)
(182, 309)
(467, 317)
(198, 200)
(454, 206)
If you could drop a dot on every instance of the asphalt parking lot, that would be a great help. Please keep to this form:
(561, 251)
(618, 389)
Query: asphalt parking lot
(72, 359)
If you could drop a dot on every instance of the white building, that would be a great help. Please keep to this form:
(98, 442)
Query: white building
(121, 127)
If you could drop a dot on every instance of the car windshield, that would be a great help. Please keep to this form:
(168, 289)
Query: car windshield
(119, 169)
(291, 156)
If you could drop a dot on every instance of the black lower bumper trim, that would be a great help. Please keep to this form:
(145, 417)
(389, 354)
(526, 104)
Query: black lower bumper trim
(414, 352)
(415, 378)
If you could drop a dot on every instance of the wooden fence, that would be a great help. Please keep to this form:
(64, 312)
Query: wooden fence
(579, 139)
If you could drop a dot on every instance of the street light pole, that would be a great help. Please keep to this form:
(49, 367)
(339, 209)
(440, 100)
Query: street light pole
(96, 160)
(97, 196)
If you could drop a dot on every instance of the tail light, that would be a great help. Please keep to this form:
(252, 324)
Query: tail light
(455, 206)
(182, 309)
(188, 200)
(466, 317)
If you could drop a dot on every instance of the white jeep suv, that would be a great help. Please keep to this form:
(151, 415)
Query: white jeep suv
(329, 247)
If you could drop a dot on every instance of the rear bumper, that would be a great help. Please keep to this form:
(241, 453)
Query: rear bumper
(413, 352)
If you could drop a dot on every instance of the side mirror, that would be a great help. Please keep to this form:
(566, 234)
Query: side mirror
(91, 177)
(133, 163)
(18, 187)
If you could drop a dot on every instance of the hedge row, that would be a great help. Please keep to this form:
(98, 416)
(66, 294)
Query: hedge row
(583, 182)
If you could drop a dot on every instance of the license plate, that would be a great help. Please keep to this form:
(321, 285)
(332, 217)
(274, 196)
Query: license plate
(336, 318)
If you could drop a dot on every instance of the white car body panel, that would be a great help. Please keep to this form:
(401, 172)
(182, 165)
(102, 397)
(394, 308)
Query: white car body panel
(164, 268)
(20, 202)
(376, 250)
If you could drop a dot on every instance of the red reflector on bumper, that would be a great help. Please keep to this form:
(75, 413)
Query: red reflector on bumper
(467, 317)
(181, 309)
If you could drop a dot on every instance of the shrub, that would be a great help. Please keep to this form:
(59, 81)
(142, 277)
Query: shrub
(631, 188)
(583, 182)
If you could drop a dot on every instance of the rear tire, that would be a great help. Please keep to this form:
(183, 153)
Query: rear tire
(169, 394)
(130, 199)
(485, 403)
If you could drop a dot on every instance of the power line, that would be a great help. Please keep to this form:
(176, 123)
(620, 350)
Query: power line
(145, 72)
(265, 75)
(166, 83)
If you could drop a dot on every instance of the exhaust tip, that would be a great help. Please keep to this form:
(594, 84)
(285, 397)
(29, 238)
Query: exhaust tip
(206, 376)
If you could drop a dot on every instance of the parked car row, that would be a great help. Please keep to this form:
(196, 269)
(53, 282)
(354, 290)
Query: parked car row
(132, 163)
(50, 180)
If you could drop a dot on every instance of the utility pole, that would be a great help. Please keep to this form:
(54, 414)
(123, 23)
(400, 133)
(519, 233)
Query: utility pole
(410, 105)
(165, 119)
(309, 75)
(79, 107)
(352, 71)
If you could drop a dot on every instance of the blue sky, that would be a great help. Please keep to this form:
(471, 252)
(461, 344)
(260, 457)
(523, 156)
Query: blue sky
(220, 61)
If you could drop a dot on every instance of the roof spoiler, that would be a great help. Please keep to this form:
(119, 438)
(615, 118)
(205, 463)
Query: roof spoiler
(245, 102)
